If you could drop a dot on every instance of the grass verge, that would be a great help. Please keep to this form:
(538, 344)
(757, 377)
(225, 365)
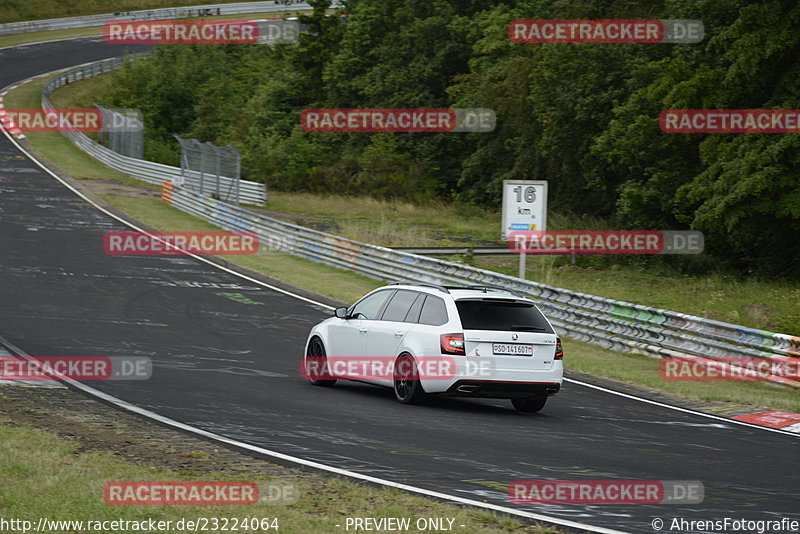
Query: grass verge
(758, 304)
(346, 286)
(54, 147)
(643, 372)
(766, 305)
(56, 459)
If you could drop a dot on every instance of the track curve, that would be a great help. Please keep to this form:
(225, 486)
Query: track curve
(231, 368)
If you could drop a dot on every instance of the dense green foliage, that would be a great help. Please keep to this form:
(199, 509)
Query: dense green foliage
(582, 116)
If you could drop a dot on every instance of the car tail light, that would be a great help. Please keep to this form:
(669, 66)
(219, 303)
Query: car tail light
(452, 343)
(559, 350)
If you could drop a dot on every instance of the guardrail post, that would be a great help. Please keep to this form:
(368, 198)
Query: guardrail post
(217, 168)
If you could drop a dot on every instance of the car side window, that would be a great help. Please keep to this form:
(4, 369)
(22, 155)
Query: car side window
(399, 306)
(370, 307)
(434, 311)
(413, 313)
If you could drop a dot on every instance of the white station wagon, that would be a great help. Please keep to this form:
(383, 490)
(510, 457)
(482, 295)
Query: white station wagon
(421, 339)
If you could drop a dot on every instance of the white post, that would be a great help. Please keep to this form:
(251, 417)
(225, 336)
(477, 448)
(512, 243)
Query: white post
(522, 264)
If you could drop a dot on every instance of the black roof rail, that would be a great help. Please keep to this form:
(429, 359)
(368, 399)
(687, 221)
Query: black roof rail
(484, 288)
(422, 284)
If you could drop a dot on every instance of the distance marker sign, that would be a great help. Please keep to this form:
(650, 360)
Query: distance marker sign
(524, 206)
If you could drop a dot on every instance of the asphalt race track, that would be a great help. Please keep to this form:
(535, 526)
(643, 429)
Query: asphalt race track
(232, 368)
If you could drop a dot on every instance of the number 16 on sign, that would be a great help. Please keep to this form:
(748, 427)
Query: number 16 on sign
(524, 208)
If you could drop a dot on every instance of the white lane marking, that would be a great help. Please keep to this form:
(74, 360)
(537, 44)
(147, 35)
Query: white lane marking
(124, 405)
(126, 223)
(27, 383)
(152, 415)
(676, 408)
(325, 306)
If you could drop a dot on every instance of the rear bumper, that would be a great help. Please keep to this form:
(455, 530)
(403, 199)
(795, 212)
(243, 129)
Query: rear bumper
(502, 389)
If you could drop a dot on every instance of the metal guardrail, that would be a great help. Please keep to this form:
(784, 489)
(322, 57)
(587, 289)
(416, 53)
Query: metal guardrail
(610, 323)
(272, 6)
(155, 173)
(126, 134)
(215, 164)
(459, 251)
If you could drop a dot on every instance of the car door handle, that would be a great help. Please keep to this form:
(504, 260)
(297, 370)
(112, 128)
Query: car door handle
(362, 330)
(398, 334)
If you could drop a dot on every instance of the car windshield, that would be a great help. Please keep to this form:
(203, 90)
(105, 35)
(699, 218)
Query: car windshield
(484, 314)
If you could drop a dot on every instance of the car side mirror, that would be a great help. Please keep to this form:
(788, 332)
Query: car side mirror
(341, 313)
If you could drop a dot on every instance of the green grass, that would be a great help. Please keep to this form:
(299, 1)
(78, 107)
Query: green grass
(758, 304)
(45, 476)
(346, 286)
(393, 223)
(766, 305)
(83, 93)
(159, 215)
(642, 371)
(372, 217)
(53, 146)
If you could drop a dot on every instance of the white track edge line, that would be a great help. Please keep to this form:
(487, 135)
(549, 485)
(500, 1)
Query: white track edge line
(680, 409)
(413, 489)
(316, 303)
(176, 424)
(127, 406)
(131, 225)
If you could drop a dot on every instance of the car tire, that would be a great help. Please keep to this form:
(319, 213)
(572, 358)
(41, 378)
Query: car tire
(529, 404)
(316, 353)
(407, 387)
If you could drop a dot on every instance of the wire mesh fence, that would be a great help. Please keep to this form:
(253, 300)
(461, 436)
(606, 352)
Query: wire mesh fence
(123, 131)
(249, 192)
(210, 170)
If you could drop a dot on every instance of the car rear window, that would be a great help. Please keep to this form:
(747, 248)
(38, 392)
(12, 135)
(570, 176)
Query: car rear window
(506, 315)
(434, 311)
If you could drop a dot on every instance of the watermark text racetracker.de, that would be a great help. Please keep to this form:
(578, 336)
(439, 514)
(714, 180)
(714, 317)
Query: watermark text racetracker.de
(130, 243)
(75, 368)
(181, 32)
(605, 31)
(389, 368)
(729, 368)
(420, 120)
(606, 242)
(70, 120)
(730, 121)
(147, 525)
(606, 492)
(202, 32)
(198, 493)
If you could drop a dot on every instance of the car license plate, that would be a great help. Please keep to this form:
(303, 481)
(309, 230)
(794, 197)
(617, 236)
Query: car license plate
(512, 349)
